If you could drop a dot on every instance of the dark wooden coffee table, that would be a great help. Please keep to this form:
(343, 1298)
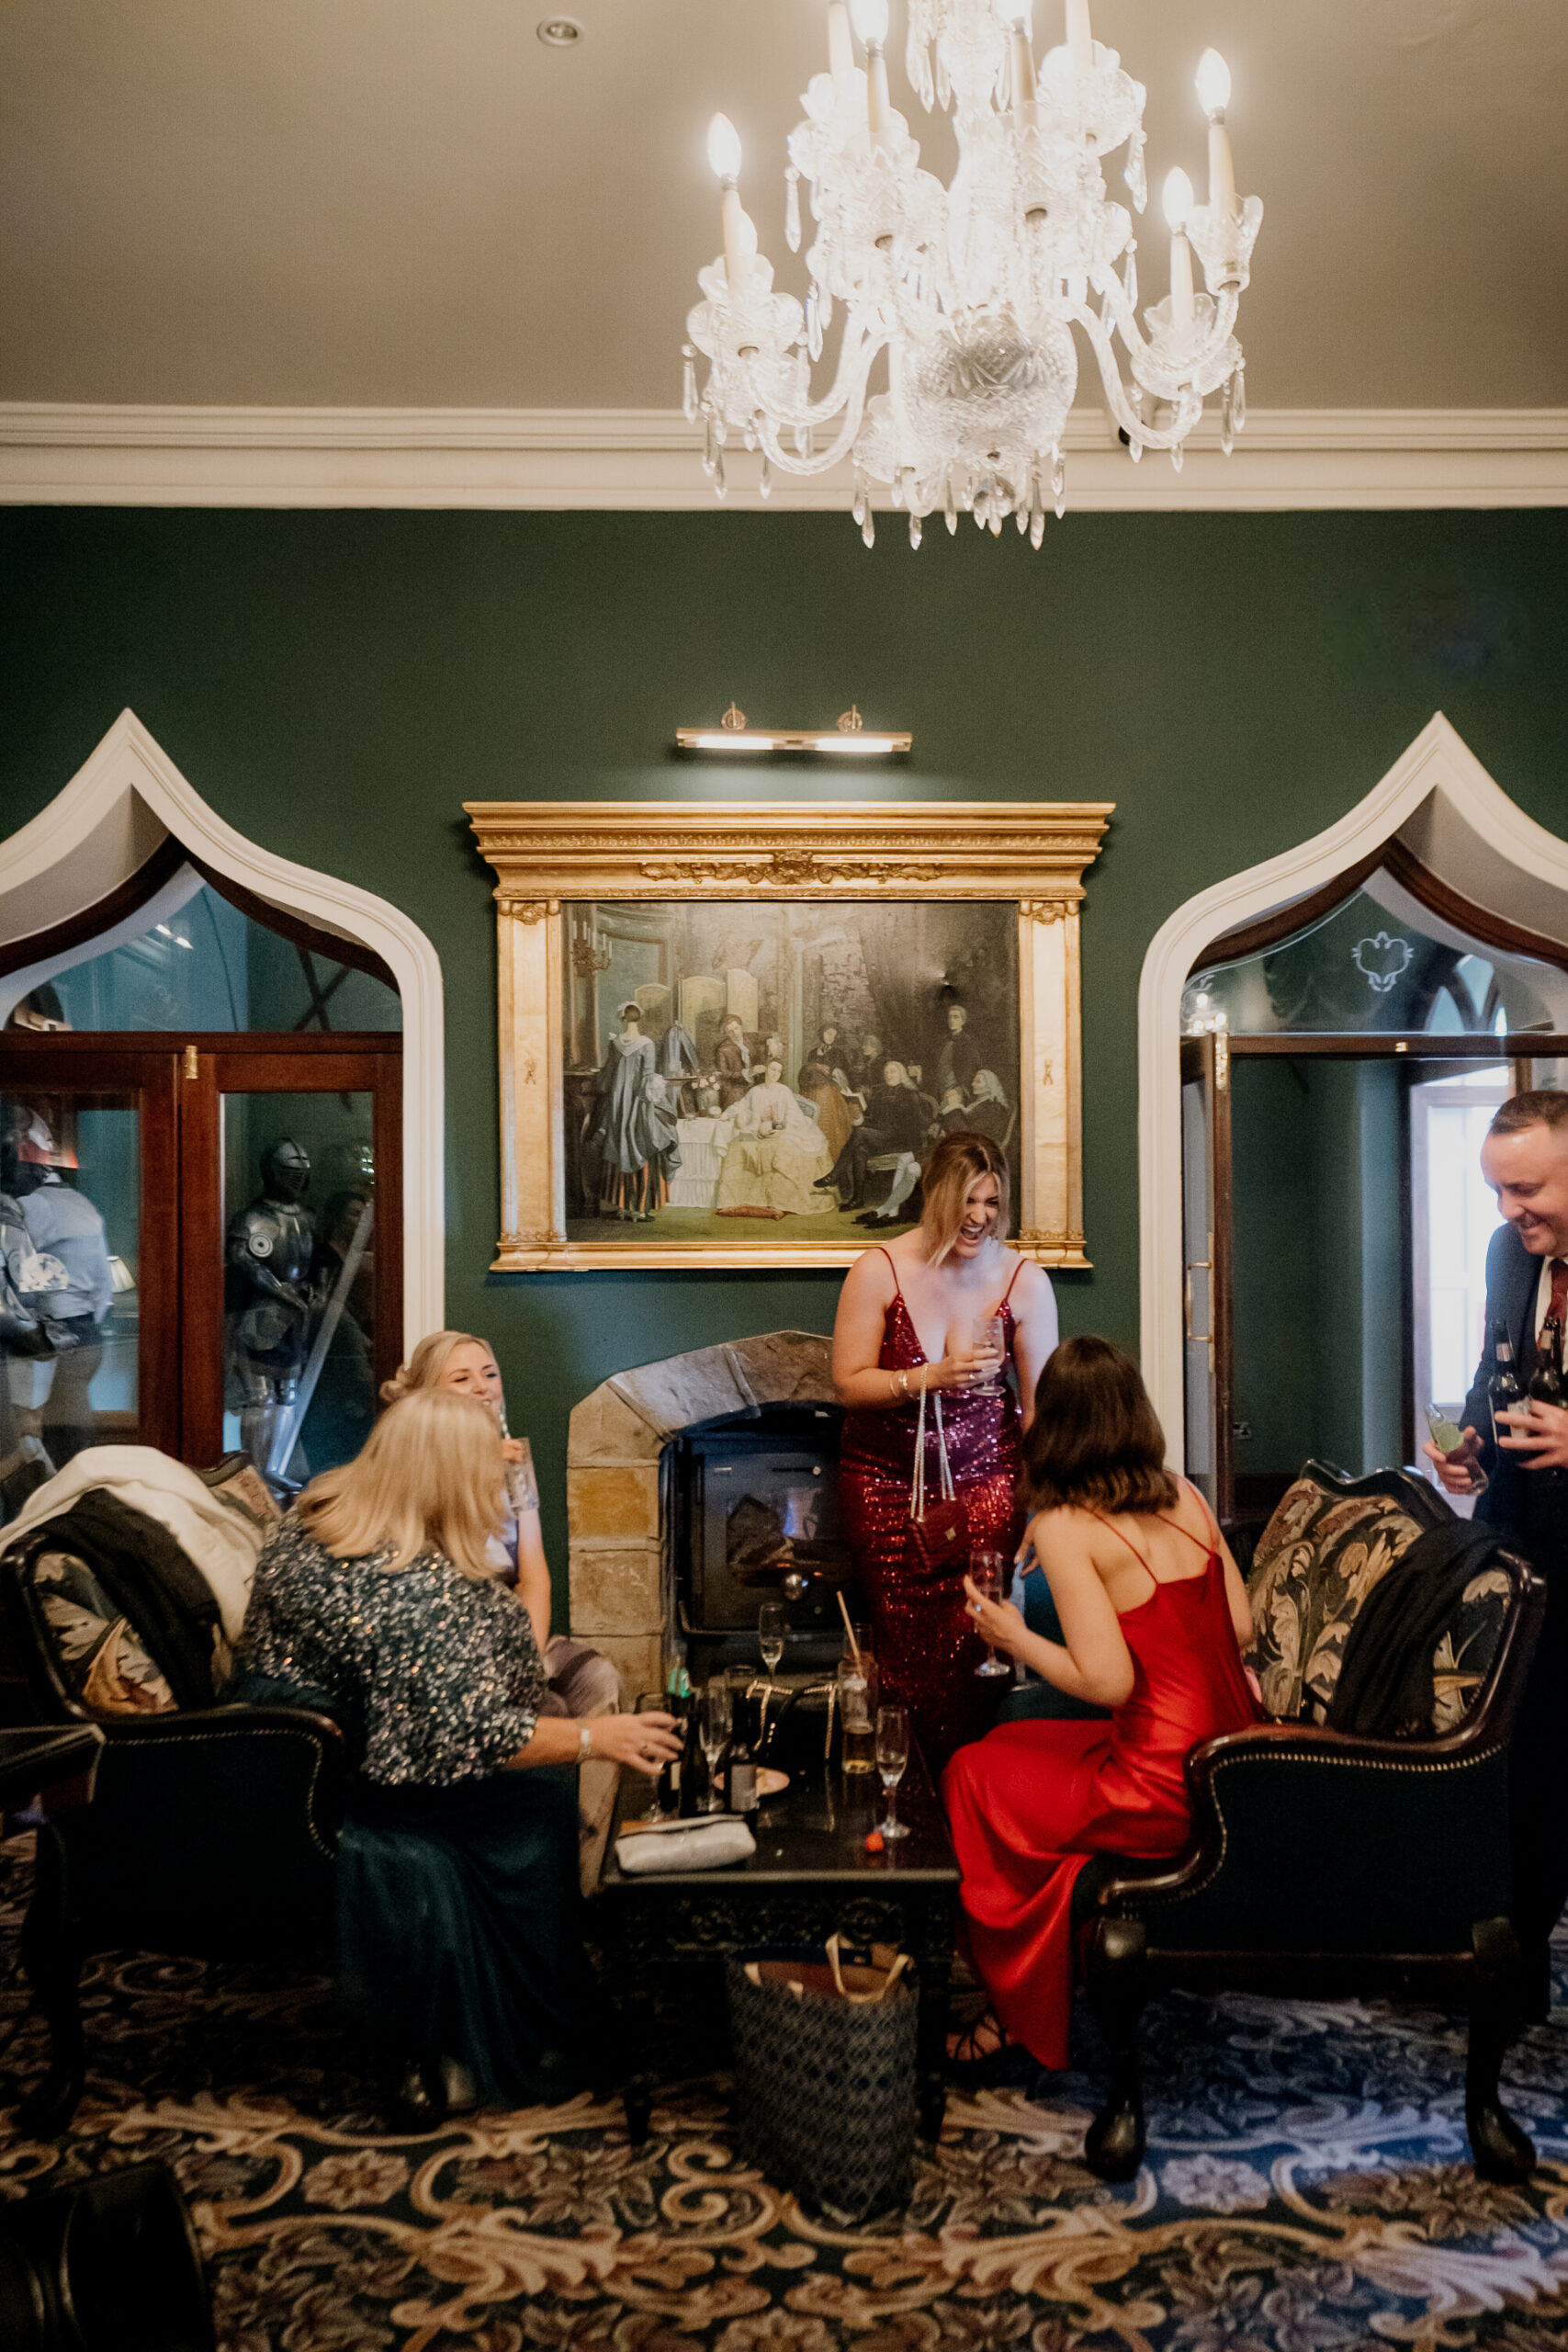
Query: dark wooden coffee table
(809, 1878)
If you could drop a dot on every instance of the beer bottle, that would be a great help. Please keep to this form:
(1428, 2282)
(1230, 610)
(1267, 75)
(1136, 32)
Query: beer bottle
(1503, 1388)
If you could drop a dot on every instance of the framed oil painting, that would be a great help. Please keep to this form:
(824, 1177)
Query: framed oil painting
(731, 1034)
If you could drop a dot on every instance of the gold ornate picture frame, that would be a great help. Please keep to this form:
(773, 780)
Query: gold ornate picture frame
(564, 869)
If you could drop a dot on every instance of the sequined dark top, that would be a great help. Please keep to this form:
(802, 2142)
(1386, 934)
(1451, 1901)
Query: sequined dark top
(439, 1674)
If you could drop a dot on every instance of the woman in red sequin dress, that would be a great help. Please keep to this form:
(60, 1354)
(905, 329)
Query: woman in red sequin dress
(907, 1316)
(1154, 1620)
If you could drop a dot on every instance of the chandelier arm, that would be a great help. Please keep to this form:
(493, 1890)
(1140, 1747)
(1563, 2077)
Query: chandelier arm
(790, 462)
(857, 353)
(1189, 406)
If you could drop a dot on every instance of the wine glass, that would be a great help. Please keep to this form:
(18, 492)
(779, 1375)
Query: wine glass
(770, 1621)
(892, 1755)
(715, 1724)
(985, 1573)
(988, 1337)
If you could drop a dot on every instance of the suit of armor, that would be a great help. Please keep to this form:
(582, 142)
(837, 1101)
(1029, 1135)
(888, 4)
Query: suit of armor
(270, 1295)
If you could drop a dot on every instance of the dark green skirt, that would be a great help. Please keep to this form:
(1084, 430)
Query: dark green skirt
(458, 1929)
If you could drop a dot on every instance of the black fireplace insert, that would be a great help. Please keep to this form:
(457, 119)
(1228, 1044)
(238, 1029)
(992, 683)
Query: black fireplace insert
(752, 1505)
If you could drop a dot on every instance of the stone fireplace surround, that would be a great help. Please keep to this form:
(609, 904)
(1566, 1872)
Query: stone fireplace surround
(621, 1582)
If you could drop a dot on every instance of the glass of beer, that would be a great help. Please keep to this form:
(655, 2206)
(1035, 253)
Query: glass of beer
(857, 1711)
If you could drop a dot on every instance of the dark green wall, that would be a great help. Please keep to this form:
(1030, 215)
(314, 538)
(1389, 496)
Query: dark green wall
(336, 684)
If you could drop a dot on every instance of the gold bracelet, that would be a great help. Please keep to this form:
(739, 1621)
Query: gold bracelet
(893, 1388)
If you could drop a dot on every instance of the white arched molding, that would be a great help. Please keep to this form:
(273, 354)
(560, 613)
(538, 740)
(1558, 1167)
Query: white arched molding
(1441, 802)
(115, 812)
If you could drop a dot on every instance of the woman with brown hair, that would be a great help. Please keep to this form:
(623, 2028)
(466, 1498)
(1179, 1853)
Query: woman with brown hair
(1154, 1618)
(457, 1894)
(933, 1318)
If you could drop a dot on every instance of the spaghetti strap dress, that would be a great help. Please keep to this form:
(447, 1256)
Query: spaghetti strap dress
(1030, 1804)
(924, 1642)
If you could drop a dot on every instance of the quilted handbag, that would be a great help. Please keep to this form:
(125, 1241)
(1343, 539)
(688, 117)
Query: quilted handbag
(937, 1537)
(825, 2088)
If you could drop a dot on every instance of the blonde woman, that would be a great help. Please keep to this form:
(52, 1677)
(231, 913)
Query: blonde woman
(457, 1877)
(580, 1681)
(910, 1319)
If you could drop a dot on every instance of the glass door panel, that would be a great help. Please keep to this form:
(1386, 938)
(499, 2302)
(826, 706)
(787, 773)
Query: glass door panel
(88, 1221)
(298, 1180)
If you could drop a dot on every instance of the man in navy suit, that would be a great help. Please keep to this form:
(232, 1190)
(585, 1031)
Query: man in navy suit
(1521, 1473)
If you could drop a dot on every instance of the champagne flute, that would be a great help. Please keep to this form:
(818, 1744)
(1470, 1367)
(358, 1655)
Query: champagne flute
(715, 1724)
(988, 1337)
(986, 1573)
(771, 1623)
(892, 1755)
(656, 1703)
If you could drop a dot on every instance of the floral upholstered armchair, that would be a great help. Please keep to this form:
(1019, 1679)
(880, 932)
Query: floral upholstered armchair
(1323, 1862)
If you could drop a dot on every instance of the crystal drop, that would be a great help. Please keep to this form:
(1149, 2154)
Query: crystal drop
(765, 479)
(917, 66)
(1176, 457)
(981, 502)
(688, 383)
(1135, 449)
(808, 446)
(1037, 528)
(1131, 280)
(710, 446)
(826, 301)
(868, 529)
(720, 487)
(858, 506)
(750, 436)
(943, 84)
(996, 522)
(813, 321)
(1238, 400)
(1137, 185)
(949, 503)
(800, 438)
(1227, 426)
(896, 486)
(1058, 484)
(914, 530)
(792, 209)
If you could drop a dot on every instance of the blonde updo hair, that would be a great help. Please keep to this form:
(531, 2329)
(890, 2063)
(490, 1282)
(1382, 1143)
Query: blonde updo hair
(428, 1361)
(429, 1477)
(959, 1161)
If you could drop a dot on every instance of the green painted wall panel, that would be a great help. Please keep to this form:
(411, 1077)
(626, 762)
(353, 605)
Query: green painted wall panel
(336, 684)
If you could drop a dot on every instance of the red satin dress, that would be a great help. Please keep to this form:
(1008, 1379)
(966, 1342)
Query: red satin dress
(924, 1642)
(1030, 1804)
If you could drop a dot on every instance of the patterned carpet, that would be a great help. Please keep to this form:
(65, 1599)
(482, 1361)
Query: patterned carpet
(1308, 2189)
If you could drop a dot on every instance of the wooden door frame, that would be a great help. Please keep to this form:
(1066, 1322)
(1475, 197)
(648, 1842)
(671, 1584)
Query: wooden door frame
(177, 1079)
(1207, 1058)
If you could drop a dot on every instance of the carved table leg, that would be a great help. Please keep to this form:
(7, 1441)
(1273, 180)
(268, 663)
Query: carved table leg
(931, 1941)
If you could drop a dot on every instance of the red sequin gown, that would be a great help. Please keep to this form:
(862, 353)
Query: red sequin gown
(1029, 1803)
(925, 1646)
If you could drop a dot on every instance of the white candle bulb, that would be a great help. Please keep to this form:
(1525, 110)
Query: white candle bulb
(724, 148)
(871, 21)
(1213, 83)
(840, 48)
(1080, 40)
(1176, 198)
(1214, 80)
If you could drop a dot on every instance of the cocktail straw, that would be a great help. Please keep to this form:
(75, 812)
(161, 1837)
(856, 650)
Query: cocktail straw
(843, 1612)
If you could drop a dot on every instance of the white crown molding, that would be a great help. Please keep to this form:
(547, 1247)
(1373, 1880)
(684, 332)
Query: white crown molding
(103, 456)
(1458, 821)
(123, 802)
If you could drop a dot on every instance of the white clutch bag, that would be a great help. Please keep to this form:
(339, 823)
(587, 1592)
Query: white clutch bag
(686, 1846)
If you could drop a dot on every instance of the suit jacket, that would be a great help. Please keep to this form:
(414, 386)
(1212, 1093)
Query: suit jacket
(1524, 1501)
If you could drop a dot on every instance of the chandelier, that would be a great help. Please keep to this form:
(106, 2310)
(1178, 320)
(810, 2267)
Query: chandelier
(973, 290)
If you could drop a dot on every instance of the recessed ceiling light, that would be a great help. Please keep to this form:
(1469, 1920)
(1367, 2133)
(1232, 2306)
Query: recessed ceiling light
(559, 32)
